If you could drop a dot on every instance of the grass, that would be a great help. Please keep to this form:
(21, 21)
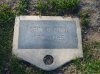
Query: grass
(89, 64)
(22, 7)
(6, 30)
(85, 19)
(5, 46)
(96, 45)
(57, 7)
(10, 64)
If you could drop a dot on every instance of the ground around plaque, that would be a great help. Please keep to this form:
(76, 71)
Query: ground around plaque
(89, 14)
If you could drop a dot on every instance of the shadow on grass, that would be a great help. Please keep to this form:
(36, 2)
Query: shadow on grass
(20, 66)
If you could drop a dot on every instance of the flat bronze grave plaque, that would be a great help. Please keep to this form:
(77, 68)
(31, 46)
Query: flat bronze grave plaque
(53, 36)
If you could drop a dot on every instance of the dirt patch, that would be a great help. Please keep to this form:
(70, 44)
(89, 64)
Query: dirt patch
(96, 53)
(93, 7)
(93, 36)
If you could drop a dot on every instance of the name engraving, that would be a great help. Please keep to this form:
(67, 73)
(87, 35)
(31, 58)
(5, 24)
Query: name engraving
(47, 30)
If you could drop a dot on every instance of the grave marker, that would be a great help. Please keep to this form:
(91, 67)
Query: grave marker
(47, 41)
